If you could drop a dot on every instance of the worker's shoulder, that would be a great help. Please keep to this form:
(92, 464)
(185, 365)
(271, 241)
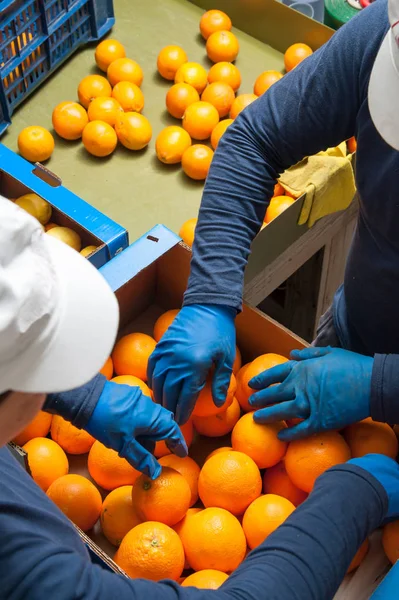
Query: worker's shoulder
(374, 18)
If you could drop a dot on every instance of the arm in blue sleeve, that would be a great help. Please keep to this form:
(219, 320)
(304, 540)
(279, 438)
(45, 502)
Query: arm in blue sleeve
(313, 107)
(77, 405)
(384, 402)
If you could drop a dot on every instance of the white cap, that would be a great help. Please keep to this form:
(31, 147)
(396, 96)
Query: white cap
(384, 82)
(58, 316)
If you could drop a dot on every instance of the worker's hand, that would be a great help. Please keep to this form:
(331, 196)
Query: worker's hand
(129, 422)
(328, 388)
(202, 336)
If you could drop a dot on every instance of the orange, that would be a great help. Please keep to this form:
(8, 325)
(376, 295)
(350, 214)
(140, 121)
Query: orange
(222, 46)
(125, 69)
(226, 72)
(352, 145)
(187, 231)
(278, 190)
(104, 109)
(186, 467)
(165, 499)
(218, 132)
(99, 138)
(179, 97)
(194, 74)
(187, 430)
(306, 459)
(171, 144)
(219, 451)
(133, 130)
(241, 102)
(359, 556)
(131, 354)
(205, 406)
(220, 424)
(220, 95)
(38, 427)
(151, 551)
(134, 382)
(196, 161)
(93, 86)
(229, 480)
(200, 119)
(69, 120)
(35, 143)
(214, 20)
(78, 499)
(70, 438)
(107, 51)
(296, 54)
(214, 539)
(163, 323)
(207, 579)
(47, 461)
(118, 515)
(259, 441)
(263, 517)
(108, 368)
(169, 60)
(371, 437)
(181, 526)
(129, 96)
(237, 361)
(49, 226)
(108, 469)
(276, 481)
(277, 205)
(265, 81)
(390, 541)
(257, 366)
(88, 250)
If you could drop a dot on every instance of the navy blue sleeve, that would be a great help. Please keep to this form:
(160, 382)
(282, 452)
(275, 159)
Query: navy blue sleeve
(77, 405)
(384, 403)
(311, 108)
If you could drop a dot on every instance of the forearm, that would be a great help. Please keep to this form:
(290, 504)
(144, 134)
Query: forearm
(384, 402)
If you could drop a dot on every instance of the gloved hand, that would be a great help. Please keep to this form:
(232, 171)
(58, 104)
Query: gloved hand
(129, 422)
(386, 471)
(327, 387)
(200, 337)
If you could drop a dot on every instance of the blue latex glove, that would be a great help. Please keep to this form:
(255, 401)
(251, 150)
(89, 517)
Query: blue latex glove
(386, 471)
(129, 422)
(202, 336)
(327, 387)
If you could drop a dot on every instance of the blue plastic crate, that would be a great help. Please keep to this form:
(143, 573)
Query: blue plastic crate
(37, 36)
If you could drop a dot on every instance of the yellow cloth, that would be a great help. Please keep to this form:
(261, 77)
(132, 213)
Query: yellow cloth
(328, 181)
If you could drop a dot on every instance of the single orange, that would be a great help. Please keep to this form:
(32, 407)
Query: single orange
(259, 441)
(108, 368)
(171, 144)
(214, 20)
(200, 119)
(207, 579)
(220, 95)
(125, 69)
(390, 541)
(218, 451)
(205, 406)
(186, 467)
(165, 499)
(277, 205)
(169, 60)
(295, 54)
(194, 74)
(359, 556)
(104, 109)
(131, 354)
(371, 437)
(226, 72)
(134, 131)
(152, 551)
(265, 80)
(99, 138)
(218, 132)
(181, 526)
(257, 366)
(241, 102)
(69, 120)
(70, 438)
(93, 86)
(38, 427)
(306, 459)
(47, 461)
(118, 516)
(134, 382)
(278, 190)
(35, 143)
(237, 361)
(107, 51)
(187, 231)
(108, 469)
(49, 226)
(263, 517)
(129, 96)
(220, 424)
(187, 430)
(222, 46)
(163, 323)
(78, 499)
(352, 145)
(179, 97)
(196, 161)
(276, 481)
